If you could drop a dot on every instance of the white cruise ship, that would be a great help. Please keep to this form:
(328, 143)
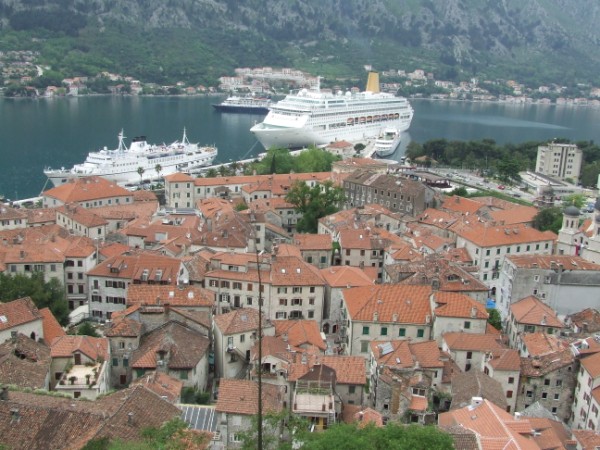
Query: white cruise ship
(315, 117)
(387, 143)
(124, 165)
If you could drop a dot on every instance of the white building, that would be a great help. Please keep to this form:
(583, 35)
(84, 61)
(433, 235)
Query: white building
(560, 161)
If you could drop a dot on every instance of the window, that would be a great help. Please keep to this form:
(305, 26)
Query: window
(402, 332)
(121, 344)
(115, 362)
(544, 395)
(364, 346)
(556, 396)
(546, 382)
(312, 289)
(529, 394)
(365, 330)
(183, 375)
(558, 383)
(351, 389)
(311, 314)
(509, 394)
(384, 331)
(511, 380)
(469, 355)
(280, 315)
(242, 338)
(283, 302)
(420, 332)
(249, 287)
(296, 302)
(467, 325)
(125, 362)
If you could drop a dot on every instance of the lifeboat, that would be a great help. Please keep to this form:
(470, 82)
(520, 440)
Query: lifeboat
(376, 118)
(384, 117)
(362, 120)
(350, 121)
(396, 115)
(369, 119)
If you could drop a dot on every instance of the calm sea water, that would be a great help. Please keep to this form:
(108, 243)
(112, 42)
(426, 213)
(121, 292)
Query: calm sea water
(60, 132)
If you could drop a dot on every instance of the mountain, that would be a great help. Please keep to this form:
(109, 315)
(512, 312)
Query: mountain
(537, 40)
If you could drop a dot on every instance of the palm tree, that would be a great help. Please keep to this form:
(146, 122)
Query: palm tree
(140, 171)
(158, 169)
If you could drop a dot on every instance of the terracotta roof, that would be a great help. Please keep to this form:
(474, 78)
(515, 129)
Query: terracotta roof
(540, 344)
(552, 262)
(241, 397)
(461, 204)
(153, 294)
(588, 439)
(427, 354)
(64, 423)
(93, 348)
(179, 177)
(452, 304)
(405, 304)
(521, 214)
(124, 327)
(183, 347)
(161, 384)
(293, 271)
(346, 276)
(307, 242)
(495, 427)
(86, 189)
(543, 365)
(348, 369)
(463, 438)
(459, 341)
(506, 359)
(138, 266)
(586, 320)
(239, 321)
(591, 363)
(549, 434)
(393, 354)
(532, 311)
(418, 403)
(300, 332)
(485, 235)
(18, 312)
(490, 329)
(288, 250)
(81, 215)
(24, 363)
(52, 328)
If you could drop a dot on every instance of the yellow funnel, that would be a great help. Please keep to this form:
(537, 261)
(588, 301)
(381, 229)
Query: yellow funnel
(373, 82)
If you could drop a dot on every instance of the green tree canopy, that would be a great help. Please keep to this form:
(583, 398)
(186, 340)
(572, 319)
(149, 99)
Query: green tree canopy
(390, 437)
(314, 202)
(548, 219)
(494, 319)
(49, 294)
(577, 200)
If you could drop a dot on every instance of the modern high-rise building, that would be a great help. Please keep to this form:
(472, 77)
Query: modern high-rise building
(559, 161)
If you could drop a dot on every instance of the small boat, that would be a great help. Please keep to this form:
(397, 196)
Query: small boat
(246, 104)
(387, 143)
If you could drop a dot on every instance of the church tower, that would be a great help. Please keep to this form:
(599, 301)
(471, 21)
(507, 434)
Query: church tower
(569, 233)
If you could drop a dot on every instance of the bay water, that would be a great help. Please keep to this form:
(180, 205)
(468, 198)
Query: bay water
(60, 132)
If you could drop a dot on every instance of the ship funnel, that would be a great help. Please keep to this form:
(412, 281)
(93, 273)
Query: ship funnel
(373, 82)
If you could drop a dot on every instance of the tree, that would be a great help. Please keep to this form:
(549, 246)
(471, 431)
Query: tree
(508, 169)
(494, 318)
(389, 437)
(211, 173)
(140, 171)
(86, 329)
(548, 219)
(158, 169)
(314, 203)
(577, 200)
(281, 431)
(49, 294)
(459, 191)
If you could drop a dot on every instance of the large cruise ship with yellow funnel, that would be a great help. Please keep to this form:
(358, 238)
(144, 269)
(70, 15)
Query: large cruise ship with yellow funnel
(318, 117)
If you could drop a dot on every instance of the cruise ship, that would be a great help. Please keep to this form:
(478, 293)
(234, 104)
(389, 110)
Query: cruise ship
(124, 165)
(387, 143)
(318, 117)
(248, 104)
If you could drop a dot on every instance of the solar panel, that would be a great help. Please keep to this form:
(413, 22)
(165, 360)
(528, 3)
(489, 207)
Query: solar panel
(386, 348)
(199, 417)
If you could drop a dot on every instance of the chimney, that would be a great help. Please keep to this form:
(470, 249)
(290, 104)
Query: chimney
(13, 336)
(473, 312)
(395, 317)
(14, 415)
(544, 319)
(130, 418)
(375, 316)
(517, 416)
(284, 336)
(4, 393)
(475, 402)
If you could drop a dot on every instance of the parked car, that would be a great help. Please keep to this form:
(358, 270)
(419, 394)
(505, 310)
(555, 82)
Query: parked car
(501, 187)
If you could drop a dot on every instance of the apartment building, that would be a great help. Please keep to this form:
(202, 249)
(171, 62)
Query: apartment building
(531, 315)
(559, 161)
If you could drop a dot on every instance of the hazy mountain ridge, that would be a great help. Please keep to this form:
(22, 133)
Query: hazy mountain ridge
(456, 32)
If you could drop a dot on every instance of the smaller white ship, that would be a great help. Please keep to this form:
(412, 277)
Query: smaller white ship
(387, 143)
(248, 104)
(141, 161)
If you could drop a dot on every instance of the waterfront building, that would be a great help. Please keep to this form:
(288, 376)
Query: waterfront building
(560, 161)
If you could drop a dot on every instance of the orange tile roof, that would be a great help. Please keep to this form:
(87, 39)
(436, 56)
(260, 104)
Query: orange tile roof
(241, 397)
(540, 344)
(179, 178)
(358, 239)
(313, 241)
(532, 311)
(288, 250)
(588, 439)
(495, 427)
(18, 312)
(153, 294)
(405, 303)
(239, 321)
(427, 353)
(591, 363)
(489, 329)
(81, 215)
(506, 359)
(418, 403)
(552, 261)
(521, 214)
(86, 189)
(276, 179)
(93, 348)
(165, 386)
(52, 328)
(132, 267)
(452, 304)
(395, 354)
(300, 332)
(550, 434)
(472, 341)
(124, 327)
(348, 369)
(367, 416)
(346, 276)
(485, 235)
(293, 271)
(461, 205)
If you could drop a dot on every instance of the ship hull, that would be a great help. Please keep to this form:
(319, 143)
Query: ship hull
(241, 109)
